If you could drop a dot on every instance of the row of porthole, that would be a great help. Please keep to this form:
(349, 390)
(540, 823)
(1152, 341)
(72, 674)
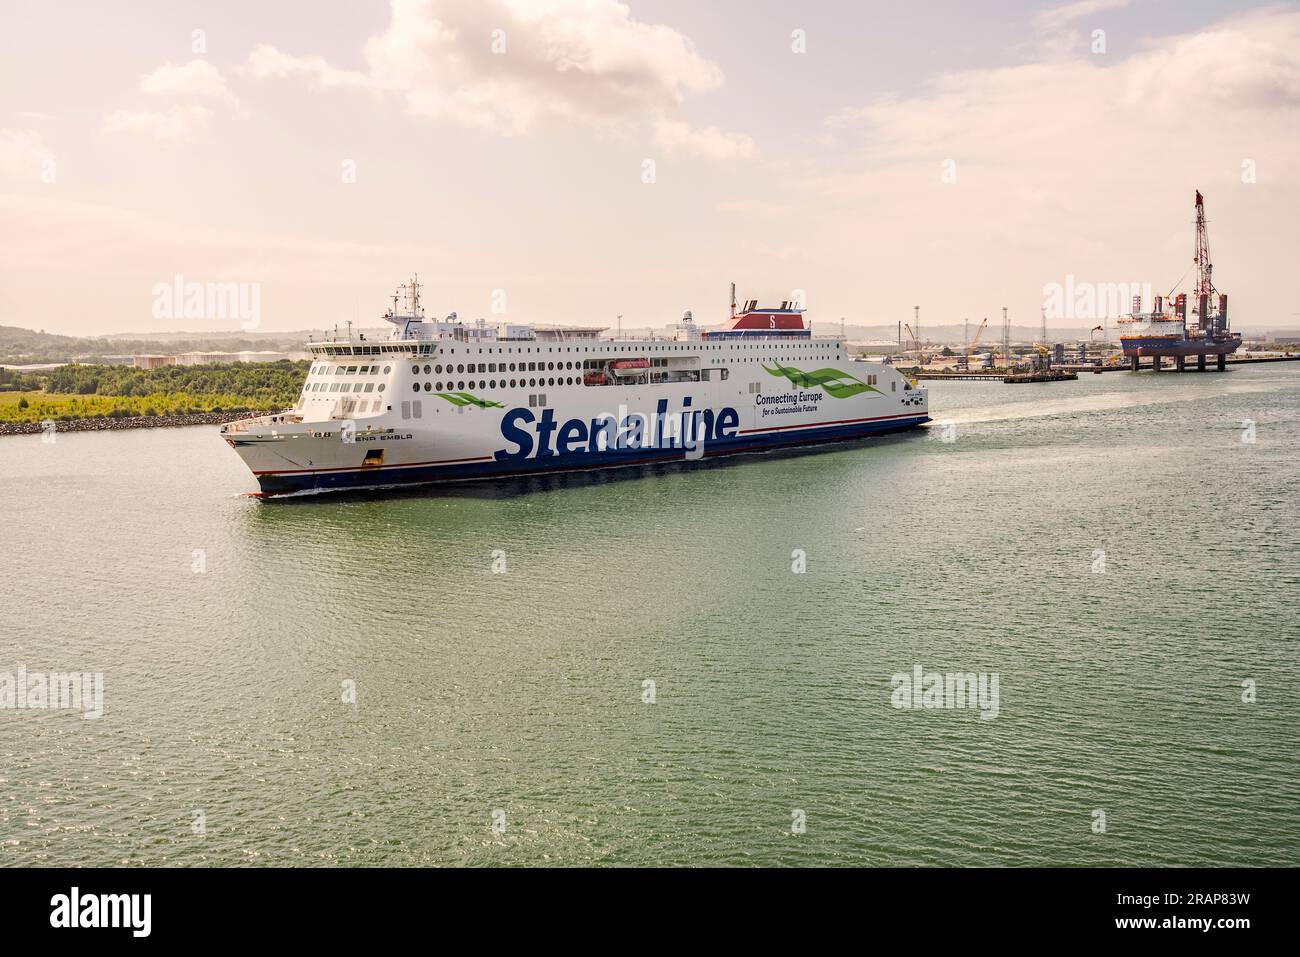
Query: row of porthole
(327, 369)
(492, 384)
(492, 367)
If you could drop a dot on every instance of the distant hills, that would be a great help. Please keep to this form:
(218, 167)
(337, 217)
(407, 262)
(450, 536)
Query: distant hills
(20, 346)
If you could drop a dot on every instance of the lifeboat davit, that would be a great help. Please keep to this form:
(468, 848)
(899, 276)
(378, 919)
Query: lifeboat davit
(629, 366)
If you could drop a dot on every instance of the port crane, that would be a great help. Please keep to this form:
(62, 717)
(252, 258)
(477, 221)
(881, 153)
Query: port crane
(964, 361)
(916, 345)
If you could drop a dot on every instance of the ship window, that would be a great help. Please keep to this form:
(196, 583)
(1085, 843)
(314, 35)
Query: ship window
(415, 370)
(438, 369)
(512, 383)
(460, 368)
(512, 367)
(352, 370)
(460, 386)
(893, 387)
(428, 387)
(381, 387)
(438, 387)
(387, 369)
(370, 387)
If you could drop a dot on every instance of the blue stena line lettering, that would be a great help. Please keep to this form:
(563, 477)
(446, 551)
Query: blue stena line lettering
(684, 429)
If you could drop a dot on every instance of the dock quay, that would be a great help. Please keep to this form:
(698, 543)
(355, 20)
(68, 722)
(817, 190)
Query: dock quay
(1071, 370)
(1040, 375)
(1054, 375)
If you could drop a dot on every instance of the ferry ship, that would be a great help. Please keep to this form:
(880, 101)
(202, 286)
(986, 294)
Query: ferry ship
(445, 400)
(1164, 331)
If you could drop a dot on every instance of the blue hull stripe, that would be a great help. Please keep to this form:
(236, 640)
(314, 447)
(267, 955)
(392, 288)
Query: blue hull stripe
(281, 483)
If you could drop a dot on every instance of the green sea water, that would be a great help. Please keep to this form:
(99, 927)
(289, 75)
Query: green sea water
(1110, 548)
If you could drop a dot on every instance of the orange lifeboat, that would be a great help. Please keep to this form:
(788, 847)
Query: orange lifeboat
(629, 366)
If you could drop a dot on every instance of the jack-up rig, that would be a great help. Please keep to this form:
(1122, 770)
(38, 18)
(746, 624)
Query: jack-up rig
(1165, 332)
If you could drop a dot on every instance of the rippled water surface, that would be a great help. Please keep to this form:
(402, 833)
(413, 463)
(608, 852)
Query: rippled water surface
(1120, 690)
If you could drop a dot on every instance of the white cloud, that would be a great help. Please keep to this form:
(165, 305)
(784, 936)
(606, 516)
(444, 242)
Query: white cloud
(511, 66)
(196, 78)
(1055, 28)
(176, 123)
(678, 138)
(22, 155)
(1167, 108)
(266, 62)
(1057, 18)
(1078, 163)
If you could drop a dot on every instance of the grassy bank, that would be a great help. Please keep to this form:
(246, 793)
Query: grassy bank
(39, 406)
(94, 391)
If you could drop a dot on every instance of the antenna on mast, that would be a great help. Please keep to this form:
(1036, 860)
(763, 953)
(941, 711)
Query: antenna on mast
(733, 300)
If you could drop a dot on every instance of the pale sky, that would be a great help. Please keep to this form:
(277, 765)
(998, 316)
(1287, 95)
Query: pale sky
(955, 155)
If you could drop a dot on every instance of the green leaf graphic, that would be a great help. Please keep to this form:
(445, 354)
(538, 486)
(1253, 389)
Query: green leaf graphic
(837, 384)
(464, 398)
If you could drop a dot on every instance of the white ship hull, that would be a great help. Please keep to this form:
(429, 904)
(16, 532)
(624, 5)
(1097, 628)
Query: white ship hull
(370, 415)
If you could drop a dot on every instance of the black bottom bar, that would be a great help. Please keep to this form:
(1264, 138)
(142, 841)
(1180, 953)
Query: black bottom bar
(336, 906)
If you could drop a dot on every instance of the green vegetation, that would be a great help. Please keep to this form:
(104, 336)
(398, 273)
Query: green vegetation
(92, 391)
(276, 381)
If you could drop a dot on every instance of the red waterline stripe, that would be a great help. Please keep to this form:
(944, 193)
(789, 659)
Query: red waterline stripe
(376, 468)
